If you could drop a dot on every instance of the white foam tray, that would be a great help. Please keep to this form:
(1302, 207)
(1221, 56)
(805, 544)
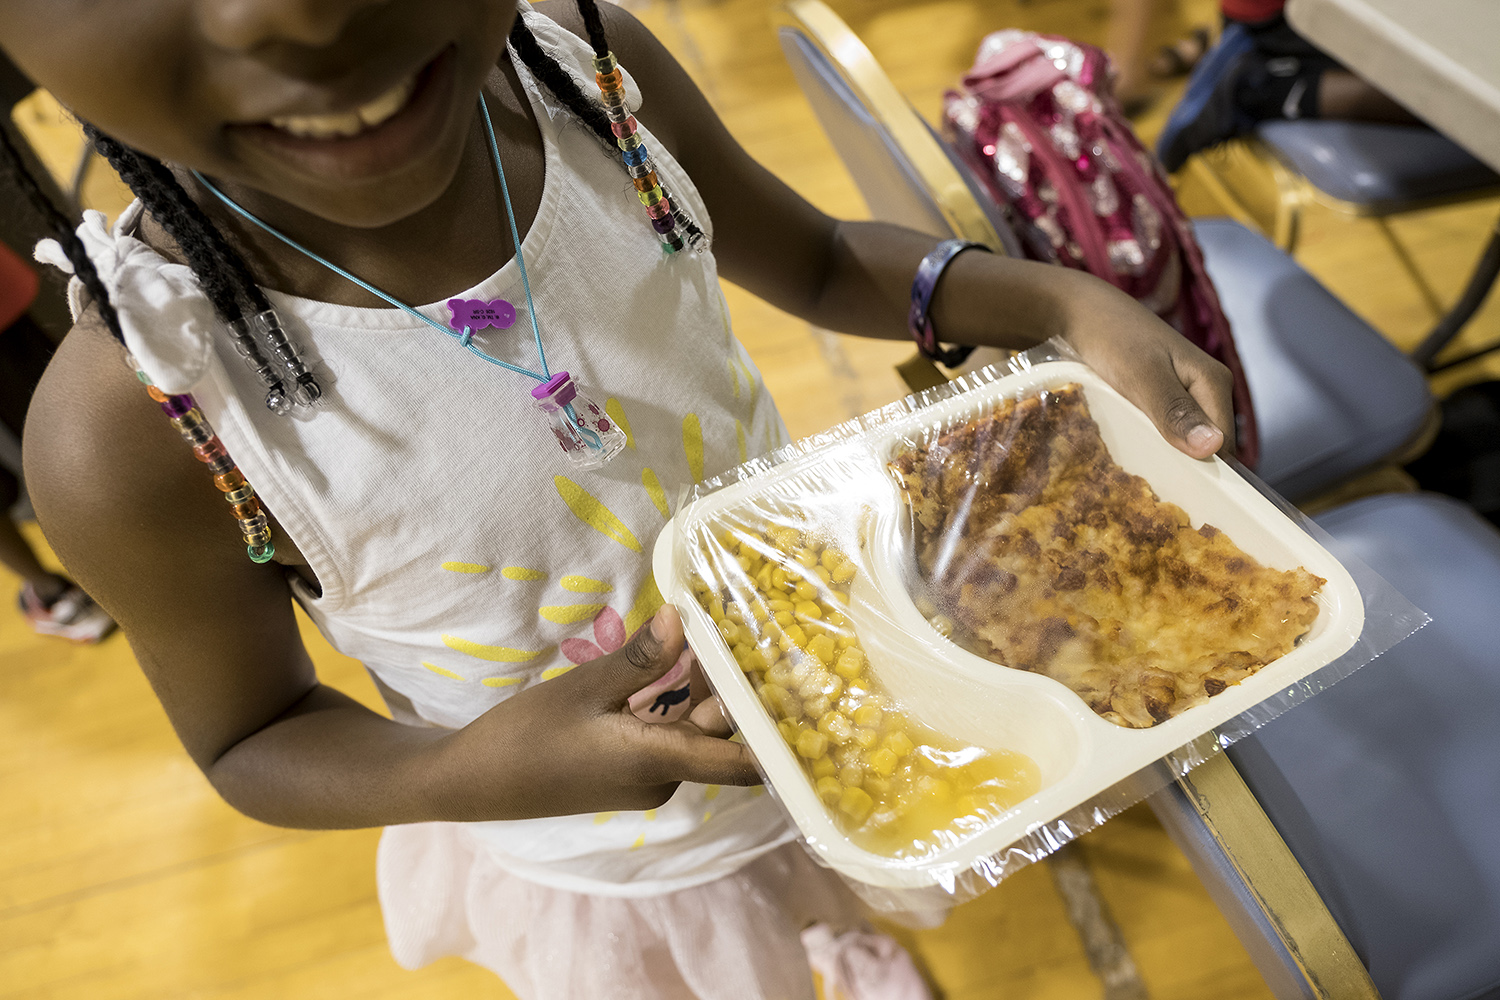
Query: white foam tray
(974, 699)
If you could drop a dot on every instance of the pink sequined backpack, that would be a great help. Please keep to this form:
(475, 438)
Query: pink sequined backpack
(1037, 122)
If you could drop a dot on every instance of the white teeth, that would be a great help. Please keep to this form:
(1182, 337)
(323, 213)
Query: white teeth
(349, 123)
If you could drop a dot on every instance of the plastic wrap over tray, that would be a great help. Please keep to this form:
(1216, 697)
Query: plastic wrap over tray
(964, 629)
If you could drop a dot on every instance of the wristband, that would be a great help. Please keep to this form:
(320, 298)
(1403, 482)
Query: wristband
(918, 321)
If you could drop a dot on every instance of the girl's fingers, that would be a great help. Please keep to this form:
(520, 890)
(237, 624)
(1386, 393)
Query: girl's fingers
(681, 752)
(709, 718)
(645, 657)
(1212, 387)
(1170, 400)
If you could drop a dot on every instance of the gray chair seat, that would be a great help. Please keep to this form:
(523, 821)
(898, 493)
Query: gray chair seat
(1387, 786)
(1377, 166)
(1331, 395)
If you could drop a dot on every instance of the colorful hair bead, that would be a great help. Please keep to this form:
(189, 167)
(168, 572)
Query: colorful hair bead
(176, 406)
(661, 210)
(230, 481)
(664, 225)
(624, 128)
(651, 197)
(645, 183)
(605, 63)
(210, 451)
(255, 525)
(246, 509)
(636, 155)
(629, 142)
(613, 80)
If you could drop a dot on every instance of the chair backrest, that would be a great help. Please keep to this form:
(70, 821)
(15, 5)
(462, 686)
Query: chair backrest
(900, 165)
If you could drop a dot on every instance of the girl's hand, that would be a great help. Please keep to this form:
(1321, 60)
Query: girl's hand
(572, 745)
(1183, 390)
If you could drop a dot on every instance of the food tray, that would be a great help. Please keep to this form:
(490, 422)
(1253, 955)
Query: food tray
(970, 698)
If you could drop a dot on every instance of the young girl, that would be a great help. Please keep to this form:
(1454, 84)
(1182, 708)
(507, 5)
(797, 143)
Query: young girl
(422, 512)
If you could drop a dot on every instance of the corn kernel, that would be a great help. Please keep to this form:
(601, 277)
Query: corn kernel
(818, 706)
(899, 743)
(716, 609)
(844, 642)
(824, 577)
(808, 609)
(868, 714)
(778, 578)
(797, 636)
(789, 731)
(836, 726)
(821, 647)
(843, 572)
(781, 674)
(849, 663)
(784, 618)
(866, 737)
(753, 659)
(729, 630)
(859, 687)
(856, 804)
(833, 617)
(852, 775)
(877, 786)
(838, 598)
(745, 563)
(760, 613)
(942, 624)
(830, 791)
(806, 591)
(779, 604)
(883, 762)
(812, 744)
(806, 557)
(824, 767)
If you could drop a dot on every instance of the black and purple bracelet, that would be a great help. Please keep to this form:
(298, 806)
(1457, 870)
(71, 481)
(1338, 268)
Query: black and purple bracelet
(919, 320)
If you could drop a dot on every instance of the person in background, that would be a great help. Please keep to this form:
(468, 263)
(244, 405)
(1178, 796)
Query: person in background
(53, 604)
(1262, 70)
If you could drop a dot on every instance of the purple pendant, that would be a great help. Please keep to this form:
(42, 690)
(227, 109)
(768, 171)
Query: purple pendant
(476, 314)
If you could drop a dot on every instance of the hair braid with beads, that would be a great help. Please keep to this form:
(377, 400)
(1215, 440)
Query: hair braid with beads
(565, 88)
(63, 230)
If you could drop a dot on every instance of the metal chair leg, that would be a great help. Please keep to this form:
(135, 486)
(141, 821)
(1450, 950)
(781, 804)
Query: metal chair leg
(1409, 265)
(1475, 292)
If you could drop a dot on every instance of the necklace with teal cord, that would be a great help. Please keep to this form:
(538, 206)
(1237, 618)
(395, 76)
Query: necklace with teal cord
(587, 436)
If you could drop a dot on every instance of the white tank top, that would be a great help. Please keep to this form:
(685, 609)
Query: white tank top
(462, 558)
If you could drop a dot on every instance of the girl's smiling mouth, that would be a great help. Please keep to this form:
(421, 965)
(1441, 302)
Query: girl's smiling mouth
(375, 138)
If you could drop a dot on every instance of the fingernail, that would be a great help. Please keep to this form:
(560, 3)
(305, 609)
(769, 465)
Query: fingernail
(658, 628)
(1204, 436)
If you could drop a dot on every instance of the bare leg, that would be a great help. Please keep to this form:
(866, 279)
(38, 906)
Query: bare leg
(1342, 95)
(1128, 24)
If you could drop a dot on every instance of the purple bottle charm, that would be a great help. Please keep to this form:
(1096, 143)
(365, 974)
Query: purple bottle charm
(587, 435)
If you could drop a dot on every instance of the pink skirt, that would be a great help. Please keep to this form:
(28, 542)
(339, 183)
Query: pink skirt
(737, 938)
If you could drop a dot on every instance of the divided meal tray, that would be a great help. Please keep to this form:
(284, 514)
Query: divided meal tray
(965, 696)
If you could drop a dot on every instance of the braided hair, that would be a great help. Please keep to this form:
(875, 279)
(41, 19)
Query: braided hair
(62, 230)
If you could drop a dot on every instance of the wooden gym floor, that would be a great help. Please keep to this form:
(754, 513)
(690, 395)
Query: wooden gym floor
(123, 876)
